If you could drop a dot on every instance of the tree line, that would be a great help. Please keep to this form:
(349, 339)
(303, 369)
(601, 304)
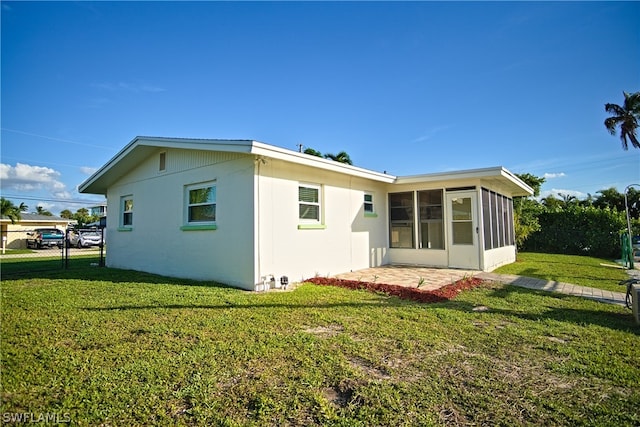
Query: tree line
(14, 213)
(565, 224)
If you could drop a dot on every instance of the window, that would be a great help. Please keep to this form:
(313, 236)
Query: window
(309, 203)
(163, 161)
(497, 217)
(401, 220)
(201, 203)
(126, 206)
(487, 219)
(431, 220)
(461, 221)
(368, 205)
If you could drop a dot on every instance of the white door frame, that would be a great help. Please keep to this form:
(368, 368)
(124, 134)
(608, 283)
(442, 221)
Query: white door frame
(465, 254)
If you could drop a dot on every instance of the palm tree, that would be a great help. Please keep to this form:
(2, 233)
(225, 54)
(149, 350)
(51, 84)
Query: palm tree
(312, 152)
(42, 211)
(626, 117)
(341, 157)
(11, 211)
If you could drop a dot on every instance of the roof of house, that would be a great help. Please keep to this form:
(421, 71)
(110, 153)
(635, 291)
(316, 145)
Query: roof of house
(143, 146)
(32, 217)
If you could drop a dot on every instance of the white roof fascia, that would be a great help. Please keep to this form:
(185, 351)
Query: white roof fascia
(227, 145)
(443, 176)
(270, 151)
(495, 171)
(127, 148)
(237, 146)
(517, 181)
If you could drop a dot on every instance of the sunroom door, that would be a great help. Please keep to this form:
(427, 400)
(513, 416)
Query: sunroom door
(463, 230)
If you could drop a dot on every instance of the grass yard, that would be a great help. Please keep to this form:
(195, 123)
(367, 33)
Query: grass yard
(17, 251)
(578, 270)
(108, 347)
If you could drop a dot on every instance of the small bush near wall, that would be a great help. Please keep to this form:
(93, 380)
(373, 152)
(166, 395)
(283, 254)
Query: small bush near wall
(578, 230)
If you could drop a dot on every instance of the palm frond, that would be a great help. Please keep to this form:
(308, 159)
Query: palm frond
(614, 109)
(611, 123)
(626, 118)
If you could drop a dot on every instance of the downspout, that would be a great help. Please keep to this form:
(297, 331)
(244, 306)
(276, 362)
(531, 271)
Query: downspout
(258, 275)
(350, 216)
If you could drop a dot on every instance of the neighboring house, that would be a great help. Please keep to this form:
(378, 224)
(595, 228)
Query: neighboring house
(99, 210)
(16, 234)
(241, 211)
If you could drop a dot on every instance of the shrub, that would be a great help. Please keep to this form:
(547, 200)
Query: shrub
(578, 230)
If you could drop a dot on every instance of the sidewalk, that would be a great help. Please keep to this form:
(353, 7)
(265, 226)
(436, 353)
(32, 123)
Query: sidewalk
(608, 297)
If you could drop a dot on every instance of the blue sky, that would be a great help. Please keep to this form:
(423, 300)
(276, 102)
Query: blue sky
(403, 87)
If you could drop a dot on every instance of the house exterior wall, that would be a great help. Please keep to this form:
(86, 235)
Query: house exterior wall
(494, 258)
(157, 241)
(258, 233)
(346, 240)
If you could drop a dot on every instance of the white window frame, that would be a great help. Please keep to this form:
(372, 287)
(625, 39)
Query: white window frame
(187, 205)
(370, 203)
(318, 204)
(124, 211)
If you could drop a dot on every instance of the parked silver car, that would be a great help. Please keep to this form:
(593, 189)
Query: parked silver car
(85, 238)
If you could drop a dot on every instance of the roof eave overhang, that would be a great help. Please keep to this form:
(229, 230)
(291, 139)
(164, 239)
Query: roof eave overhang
(516, 186)
(142, 146)
(270, 151)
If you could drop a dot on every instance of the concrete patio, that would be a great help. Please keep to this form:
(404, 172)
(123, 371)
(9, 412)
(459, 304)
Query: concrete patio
(435, 278)
(411, 276)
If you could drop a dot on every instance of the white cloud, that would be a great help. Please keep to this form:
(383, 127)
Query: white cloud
(23, 177)
(556, 192)
(62, 194)
(554, 175)
(429, 134)
(88, 170)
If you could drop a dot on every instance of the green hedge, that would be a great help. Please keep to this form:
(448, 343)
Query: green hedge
(578, 230)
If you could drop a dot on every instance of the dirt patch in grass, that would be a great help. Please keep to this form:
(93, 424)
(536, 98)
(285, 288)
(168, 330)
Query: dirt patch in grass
(325, 331)
(368, 369)
(339, 396)
(445, 293)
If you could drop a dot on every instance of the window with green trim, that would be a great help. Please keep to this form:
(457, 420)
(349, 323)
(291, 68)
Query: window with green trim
(309, 208)
(368, 204)
(200, 206)
(126, 209)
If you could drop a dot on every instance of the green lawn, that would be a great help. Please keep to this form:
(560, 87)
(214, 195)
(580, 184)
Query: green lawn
(16, 251)
(578, 270)
(109, 347)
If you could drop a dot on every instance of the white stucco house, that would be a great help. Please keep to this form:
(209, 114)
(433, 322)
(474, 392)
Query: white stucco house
(240, 211)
